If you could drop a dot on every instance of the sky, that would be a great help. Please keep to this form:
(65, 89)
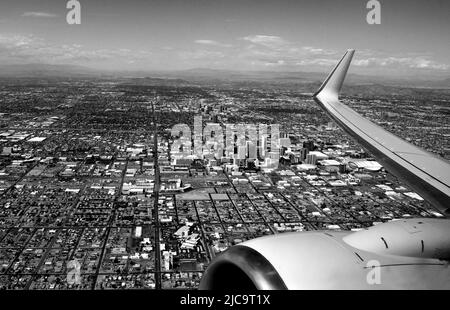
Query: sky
(281, 35)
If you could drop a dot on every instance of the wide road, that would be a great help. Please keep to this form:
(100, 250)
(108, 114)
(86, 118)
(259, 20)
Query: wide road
(156, 198)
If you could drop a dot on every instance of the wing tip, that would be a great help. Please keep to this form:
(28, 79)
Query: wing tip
(333, 83)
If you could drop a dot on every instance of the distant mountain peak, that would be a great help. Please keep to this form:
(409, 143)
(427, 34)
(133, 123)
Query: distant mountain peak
(37, 69)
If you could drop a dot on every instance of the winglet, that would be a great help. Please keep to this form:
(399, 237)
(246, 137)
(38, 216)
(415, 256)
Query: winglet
(332, 85)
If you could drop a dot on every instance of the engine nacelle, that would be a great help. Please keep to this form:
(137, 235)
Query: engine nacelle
(339, 259)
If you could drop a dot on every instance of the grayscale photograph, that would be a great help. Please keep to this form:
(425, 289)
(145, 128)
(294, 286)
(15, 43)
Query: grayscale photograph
(241, 146)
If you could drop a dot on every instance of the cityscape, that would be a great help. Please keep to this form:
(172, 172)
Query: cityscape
(203, 152)
(91, 174)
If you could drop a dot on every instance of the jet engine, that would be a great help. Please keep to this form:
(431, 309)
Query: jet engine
(400, 254)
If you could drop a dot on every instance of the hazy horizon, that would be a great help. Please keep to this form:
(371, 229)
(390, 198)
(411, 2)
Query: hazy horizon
(246, 36)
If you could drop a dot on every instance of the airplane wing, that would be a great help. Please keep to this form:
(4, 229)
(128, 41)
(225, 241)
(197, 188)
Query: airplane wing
(411, 253)
(422, 171)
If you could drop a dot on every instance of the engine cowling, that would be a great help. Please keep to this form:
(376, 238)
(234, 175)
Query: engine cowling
(339, 259)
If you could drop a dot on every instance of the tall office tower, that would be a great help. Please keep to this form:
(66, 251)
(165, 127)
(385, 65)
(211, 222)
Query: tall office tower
(294, 158)
(242, 152)
(198, 136)
(311, 159)
(263, 146)
(251, 150)
(309, 145)
(303, 152)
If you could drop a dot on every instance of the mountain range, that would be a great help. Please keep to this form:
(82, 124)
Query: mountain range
(204, 75)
